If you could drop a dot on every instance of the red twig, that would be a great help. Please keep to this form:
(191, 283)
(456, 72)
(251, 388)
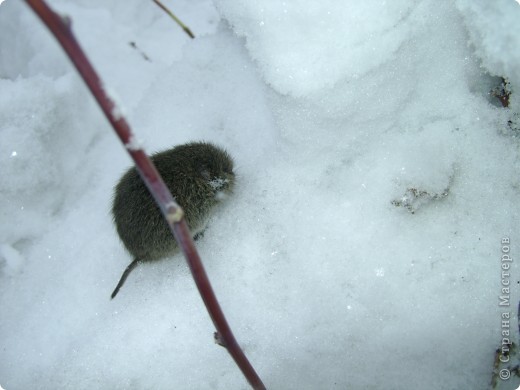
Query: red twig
(60, 27)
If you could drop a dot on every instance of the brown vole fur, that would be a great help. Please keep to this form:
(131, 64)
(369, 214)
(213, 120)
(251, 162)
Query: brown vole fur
(198, 174)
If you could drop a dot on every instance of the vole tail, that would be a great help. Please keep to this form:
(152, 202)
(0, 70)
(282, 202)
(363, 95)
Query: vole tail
(128, 269)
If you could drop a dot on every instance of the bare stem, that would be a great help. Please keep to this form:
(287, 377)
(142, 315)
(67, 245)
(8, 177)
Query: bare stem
(177, 20)
(60, 27)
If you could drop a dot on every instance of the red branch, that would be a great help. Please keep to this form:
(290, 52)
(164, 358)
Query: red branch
(60, 27)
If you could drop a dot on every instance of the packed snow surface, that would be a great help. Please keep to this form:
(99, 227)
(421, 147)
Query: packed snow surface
(377, 190)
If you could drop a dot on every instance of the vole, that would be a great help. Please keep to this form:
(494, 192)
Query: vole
(198, 174)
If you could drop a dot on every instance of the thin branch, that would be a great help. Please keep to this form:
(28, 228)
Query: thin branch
(60, 27)
(177, 20)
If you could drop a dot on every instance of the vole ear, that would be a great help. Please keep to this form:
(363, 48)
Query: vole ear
(204, 172)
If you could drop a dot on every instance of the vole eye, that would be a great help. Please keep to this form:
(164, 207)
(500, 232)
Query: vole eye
(228, 169)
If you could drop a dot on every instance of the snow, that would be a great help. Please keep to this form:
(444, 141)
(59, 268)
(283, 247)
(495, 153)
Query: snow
(498, 47)
(134, 144)
(341, 118)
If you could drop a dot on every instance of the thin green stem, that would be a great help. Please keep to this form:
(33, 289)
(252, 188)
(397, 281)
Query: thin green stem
(177, 20)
